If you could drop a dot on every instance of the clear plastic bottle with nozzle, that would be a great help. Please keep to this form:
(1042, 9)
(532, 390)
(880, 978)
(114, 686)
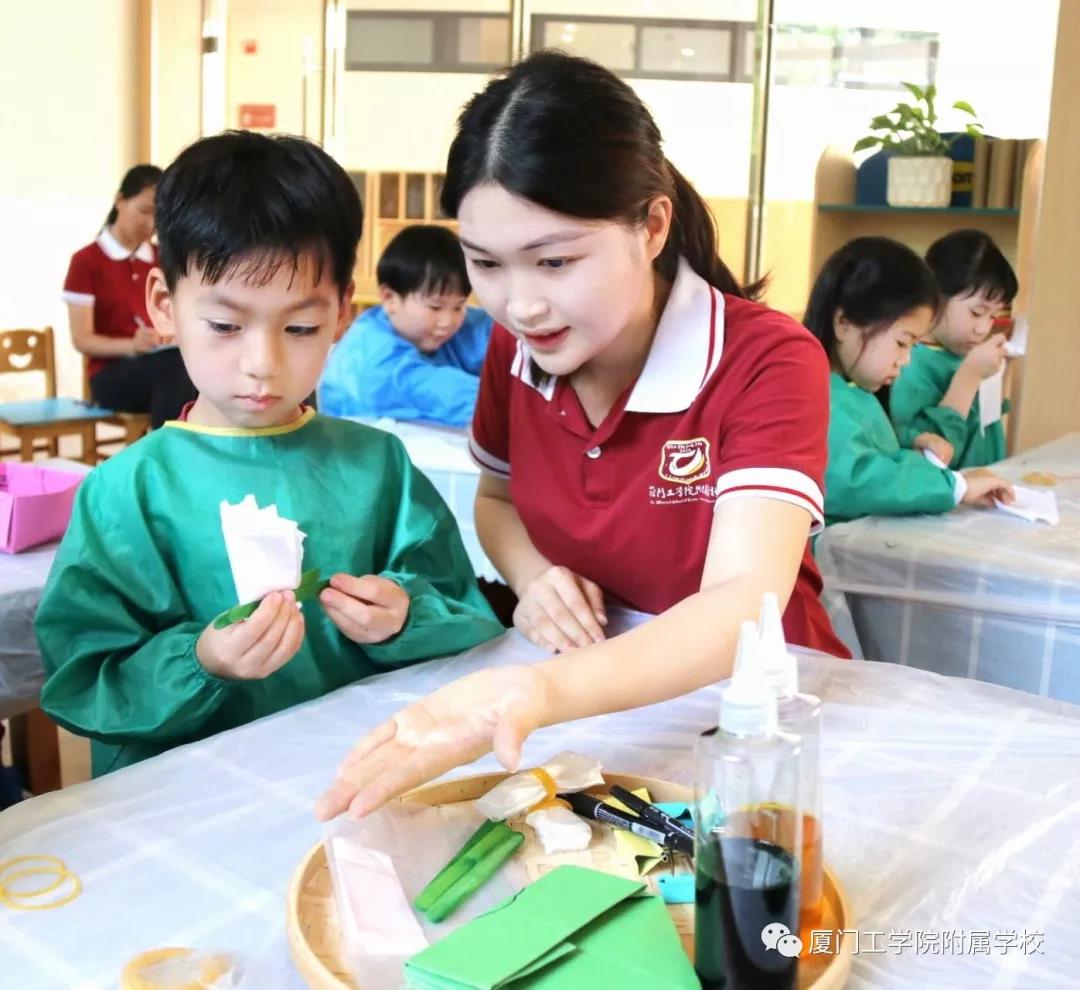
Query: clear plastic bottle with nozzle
(799, 714)
(748, 837)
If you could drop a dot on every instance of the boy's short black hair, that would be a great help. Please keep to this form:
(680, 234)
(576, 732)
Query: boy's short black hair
(424, 258)
(967, 262)
(241, 200)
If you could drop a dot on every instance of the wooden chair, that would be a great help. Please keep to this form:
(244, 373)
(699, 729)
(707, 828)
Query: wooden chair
(30, 350)
(35, 750)
(38, 424)
(134, 425)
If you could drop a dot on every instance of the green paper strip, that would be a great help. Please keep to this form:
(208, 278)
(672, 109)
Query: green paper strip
(476, 876)
(438, 885)
(309, 587)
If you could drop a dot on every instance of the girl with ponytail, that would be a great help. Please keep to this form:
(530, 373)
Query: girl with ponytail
(873, 301)
(130, 368)
(649, 435)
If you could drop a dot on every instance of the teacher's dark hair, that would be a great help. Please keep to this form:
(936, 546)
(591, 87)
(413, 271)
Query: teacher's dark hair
(136, 179)
(569, 135)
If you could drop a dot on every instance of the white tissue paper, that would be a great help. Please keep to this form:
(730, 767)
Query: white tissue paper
(379, 865)
(570, 771)
(1033, 505)
(265, 550)
(560, 830)
(1017, 343)
(990, 399)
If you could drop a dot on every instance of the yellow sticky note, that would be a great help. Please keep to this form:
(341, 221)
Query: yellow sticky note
(643, 853)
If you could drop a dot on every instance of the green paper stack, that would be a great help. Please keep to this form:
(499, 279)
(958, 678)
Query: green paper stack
(573, 928)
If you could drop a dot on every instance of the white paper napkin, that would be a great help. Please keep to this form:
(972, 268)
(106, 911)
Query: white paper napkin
(1033, 505)
(990, 399)
(265, 550)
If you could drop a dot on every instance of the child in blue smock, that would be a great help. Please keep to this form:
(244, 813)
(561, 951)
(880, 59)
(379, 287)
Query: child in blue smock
(939, 393)
(418, 355)
(873, 301)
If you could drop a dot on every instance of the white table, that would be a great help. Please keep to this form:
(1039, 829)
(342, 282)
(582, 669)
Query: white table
(972, 593)
(951, 805)
(442, 454)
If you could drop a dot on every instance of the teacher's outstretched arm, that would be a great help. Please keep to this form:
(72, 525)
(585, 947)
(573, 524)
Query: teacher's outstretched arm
(756, 546)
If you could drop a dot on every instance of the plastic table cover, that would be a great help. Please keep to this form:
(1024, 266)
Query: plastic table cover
(952, 817)
(971, 593)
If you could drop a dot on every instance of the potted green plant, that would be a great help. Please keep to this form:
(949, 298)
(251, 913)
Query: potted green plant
(920, 169)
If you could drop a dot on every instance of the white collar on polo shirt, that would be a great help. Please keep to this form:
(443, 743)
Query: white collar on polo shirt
(115, 251)
(685, 350)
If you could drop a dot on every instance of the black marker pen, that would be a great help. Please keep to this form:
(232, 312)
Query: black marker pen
(592, 807)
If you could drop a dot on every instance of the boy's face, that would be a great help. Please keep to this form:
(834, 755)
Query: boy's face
(426, 321)
(966, 321)
(254, 352)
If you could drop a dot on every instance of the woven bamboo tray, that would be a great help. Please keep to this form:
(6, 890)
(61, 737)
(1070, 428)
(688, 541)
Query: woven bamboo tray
(315, 934)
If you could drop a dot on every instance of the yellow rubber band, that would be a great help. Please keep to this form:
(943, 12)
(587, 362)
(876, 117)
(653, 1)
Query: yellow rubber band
(28, 895)
(53, 866)
(550, 790)
(76, 890)
(138, 973)
(546, 781)
(32, 858)
(549, 803)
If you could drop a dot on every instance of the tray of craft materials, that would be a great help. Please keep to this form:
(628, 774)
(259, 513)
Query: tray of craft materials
(610, 921)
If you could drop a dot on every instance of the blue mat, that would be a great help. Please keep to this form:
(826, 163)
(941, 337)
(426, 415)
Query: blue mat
(39, 412)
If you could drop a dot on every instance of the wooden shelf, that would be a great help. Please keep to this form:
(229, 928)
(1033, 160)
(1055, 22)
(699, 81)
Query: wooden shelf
(392, 202)
(953, 211)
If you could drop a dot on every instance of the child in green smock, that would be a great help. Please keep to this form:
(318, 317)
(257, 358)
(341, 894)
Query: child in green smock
(872, 302)
(939, 393)
(257, 241)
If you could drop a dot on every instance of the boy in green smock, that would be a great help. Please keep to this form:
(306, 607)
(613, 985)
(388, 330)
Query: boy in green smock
(257, 242)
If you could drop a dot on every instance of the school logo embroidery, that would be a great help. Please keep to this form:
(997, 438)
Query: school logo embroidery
(685, 462)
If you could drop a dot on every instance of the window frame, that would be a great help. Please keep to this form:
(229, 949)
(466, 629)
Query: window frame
(445, 28)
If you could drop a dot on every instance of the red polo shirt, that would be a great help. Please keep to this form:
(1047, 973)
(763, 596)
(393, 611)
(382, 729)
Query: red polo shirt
(733, 402)
(111, 279)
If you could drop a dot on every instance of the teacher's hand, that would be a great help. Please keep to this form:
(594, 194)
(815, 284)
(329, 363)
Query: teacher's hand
(491, 709)
(145, 339)
(560, 610)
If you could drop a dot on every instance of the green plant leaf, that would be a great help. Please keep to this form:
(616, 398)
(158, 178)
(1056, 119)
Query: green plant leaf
(881, 123)
(916, 91)
(930, 93)
(974, 130)
(867, 142)
(965, 106)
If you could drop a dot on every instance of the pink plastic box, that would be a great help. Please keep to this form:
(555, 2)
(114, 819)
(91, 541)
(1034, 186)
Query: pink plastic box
(35, 504)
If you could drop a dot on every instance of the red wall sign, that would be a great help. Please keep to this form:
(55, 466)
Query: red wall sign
(258, 115)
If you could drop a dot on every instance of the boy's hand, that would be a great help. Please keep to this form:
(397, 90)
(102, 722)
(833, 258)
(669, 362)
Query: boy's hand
(367, 609)
(256, 647)
(938, 446)
(986, 359)
(984, 486)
